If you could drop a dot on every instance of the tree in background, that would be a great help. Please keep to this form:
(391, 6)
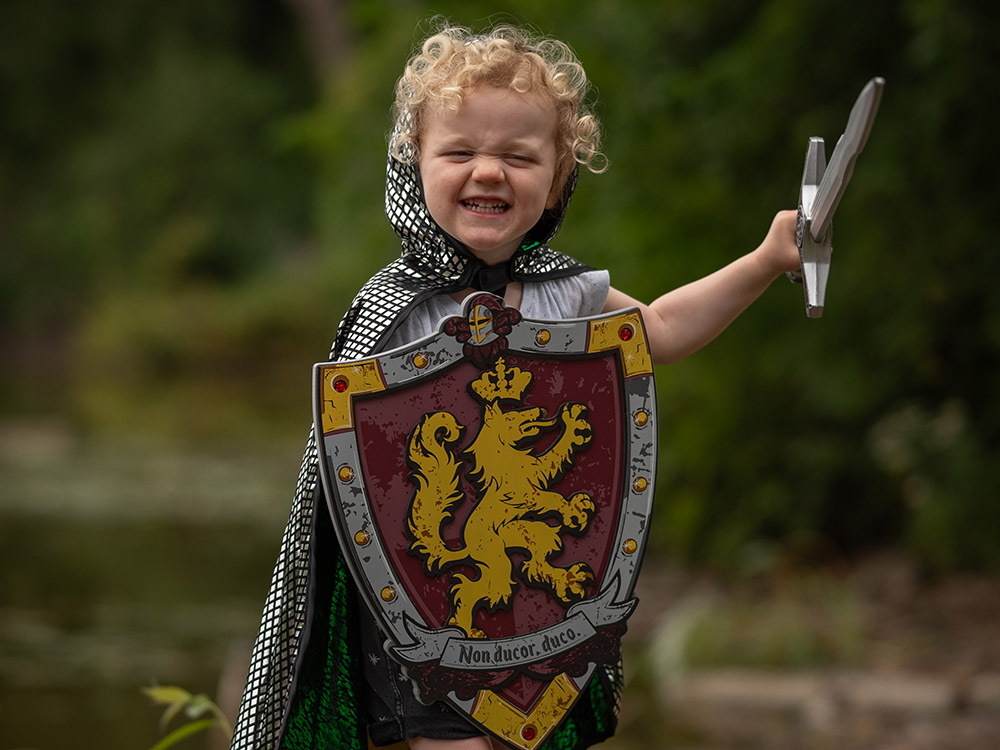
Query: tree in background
(191, 193)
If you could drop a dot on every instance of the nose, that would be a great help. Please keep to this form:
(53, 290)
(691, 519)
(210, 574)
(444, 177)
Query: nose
(488, 170)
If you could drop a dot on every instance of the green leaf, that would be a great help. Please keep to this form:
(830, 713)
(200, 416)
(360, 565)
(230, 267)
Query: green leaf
(182, 733)
(175, 698)
(167, 694)
(199, 705)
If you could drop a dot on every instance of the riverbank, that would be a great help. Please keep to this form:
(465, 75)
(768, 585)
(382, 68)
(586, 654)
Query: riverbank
(123, 564)
(923, 673)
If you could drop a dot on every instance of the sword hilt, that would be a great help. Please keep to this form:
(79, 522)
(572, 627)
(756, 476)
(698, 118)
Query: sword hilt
(814, 254)
(822, 188)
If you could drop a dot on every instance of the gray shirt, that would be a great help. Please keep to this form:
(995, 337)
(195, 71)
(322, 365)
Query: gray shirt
(571, 297)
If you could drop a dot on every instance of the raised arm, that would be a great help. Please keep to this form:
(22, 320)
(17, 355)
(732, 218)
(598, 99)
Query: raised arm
(685, 319)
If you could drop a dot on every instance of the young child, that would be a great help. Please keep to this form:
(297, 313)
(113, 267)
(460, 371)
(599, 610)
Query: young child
(489, 132)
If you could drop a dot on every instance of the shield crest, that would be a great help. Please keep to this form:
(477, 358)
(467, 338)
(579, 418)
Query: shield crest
(491, 486)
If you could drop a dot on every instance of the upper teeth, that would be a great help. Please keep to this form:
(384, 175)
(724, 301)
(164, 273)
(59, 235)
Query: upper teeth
(496, 207)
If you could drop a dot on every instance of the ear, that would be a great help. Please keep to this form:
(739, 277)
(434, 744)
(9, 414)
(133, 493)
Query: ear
(557, 190)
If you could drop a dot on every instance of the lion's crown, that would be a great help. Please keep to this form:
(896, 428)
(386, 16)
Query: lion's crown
(501, 383)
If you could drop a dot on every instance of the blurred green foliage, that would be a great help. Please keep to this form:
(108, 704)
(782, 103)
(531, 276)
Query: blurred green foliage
(188, 203)
(796, 622)
(178, 700)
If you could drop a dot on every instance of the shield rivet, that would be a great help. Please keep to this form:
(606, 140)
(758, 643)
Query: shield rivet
(640, 484)
(641, 418)
(420, 360)
(528, 732)
(542, 337)
(340, 383)
(630, 546)
(626, 332)
(345, 473)
(362, 538)
(388, 594)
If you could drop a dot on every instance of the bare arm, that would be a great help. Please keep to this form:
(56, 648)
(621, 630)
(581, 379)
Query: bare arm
(685, 319)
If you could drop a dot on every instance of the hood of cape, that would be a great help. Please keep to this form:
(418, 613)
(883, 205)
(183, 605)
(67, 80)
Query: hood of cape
(433, 262)
(426, 245)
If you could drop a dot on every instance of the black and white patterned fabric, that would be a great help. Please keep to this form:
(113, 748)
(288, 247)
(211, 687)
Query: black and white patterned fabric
(431, 262)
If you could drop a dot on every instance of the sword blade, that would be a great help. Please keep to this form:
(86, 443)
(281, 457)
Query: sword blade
(841, 166)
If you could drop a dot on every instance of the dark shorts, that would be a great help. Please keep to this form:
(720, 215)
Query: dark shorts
(394, 713)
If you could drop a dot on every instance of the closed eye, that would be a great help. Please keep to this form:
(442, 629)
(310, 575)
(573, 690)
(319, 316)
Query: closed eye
(457, 154)
(520, 159)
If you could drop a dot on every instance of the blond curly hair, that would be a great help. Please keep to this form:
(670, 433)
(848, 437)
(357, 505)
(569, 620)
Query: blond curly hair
(454, 60)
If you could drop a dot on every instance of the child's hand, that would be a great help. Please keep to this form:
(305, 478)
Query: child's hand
(778, 252)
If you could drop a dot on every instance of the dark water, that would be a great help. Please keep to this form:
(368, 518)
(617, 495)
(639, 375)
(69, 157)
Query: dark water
(123, 566)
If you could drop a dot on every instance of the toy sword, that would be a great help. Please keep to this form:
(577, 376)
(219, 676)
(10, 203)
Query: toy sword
(823, 186)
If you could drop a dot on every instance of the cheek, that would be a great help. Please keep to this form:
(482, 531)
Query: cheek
(432, 185)
(438, 179)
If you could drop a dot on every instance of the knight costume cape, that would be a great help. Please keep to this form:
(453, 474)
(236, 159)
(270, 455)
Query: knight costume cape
(305, 682)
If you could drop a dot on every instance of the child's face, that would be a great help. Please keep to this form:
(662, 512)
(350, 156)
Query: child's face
(488, 169)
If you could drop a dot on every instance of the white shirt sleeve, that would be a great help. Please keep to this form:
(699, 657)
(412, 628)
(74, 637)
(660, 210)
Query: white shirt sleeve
(578, 296)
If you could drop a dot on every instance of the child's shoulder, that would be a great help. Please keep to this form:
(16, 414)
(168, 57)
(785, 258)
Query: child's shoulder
(576, 296)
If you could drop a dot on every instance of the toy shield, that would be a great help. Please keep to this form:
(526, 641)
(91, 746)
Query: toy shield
(491, 486)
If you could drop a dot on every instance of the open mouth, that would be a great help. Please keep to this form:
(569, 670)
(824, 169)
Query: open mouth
(486, 207)
(531, 429)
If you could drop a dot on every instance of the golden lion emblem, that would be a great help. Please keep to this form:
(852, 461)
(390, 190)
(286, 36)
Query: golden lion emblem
(512, 485)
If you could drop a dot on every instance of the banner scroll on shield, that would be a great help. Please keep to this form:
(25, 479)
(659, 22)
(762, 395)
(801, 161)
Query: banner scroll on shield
(491, 487)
